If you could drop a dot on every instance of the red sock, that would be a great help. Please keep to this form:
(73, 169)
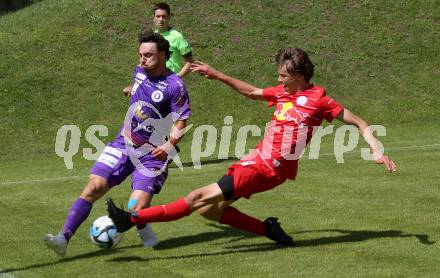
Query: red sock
(234, 218)
(163, 213)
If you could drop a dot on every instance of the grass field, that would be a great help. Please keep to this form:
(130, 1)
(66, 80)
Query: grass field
(350, 219)
(65, 62)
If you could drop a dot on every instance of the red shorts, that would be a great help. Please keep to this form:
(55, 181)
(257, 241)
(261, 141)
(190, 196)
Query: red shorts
(253, 175)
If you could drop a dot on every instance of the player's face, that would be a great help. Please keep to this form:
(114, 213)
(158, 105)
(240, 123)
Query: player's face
(289, 81)
(161, 19)
(150, 58)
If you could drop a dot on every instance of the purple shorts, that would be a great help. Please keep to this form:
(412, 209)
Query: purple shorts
(115, 166)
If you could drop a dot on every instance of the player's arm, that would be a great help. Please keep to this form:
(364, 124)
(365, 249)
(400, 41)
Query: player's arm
(349, 118)
(176, 135)
(240, 86)
(188, 60)
(177, 132)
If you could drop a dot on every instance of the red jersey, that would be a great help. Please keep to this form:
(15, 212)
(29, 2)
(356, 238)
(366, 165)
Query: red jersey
(293, 123)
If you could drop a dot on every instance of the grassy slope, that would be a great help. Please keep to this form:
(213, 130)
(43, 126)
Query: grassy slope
(380, 60)
(64, 62)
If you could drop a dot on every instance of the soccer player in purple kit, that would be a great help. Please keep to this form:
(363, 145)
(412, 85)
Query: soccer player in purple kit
(156, 92)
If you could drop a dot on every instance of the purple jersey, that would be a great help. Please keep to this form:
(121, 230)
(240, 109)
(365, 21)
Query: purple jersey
(155, 103)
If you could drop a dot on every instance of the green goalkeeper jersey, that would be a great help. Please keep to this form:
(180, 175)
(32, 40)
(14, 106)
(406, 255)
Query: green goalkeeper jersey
(178, 47)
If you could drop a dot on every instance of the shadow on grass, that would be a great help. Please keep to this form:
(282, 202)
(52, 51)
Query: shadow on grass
(347, 237)
(356, 236)
(230, 250)
(235, 235)
(223, 232)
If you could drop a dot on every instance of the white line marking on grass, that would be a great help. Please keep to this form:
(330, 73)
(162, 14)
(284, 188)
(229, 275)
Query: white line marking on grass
(6, 275)
(43, 180)
(430, 146)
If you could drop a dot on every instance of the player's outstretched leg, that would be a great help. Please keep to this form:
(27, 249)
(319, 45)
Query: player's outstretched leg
(169, 212)
(79, 211)
(235, 218)
(120, 217)
(276, 233)
(96, 187)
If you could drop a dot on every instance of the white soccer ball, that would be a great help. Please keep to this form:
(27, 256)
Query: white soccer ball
(104, 234)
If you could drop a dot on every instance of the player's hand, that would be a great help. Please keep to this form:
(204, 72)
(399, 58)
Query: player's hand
(162, 151)
(204, 69)
(127, 90)
(388, 162)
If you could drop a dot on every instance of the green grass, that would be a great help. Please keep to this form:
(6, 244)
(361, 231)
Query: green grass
(65, 62)
(351, 219)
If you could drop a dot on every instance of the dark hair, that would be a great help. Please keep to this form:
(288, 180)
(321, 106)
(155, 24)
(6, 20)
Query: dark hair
(296, 61)
(161, 43)
(162, 6)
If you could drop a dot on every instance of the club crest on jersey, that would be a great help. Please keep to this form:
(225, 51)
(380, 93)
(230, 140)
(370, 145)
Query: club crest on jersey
(302, 100)
(157, 96)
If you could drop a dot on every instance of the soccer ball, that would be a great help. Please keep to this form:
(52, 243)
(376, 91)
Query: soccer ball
(104, 234)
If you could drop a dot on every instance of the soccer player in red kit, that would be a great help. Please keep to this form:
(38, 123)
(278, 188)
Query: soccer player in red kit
(300, 106)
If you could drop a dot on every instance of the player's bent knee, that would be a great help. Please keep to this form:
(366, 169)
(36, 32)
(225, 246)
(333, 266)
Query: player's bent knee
(214, 211)
(205, 212)
(193, 198)
(95, 188)
(204, 196)
(210, 212)
(139, 200)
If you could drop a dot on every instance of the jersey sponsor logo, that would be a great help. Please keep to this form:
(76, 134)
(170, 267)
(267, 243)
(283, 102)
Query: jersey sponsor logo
(140, 113)
(157, 96)
(287, 112)
(302, 100)
(281, 113)
(113, 151)
(147, 128)
(108, 160)
(301, 117)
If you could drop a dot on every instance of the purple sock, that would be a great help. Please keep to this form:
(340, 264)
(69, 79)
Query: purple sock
(79, 211)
